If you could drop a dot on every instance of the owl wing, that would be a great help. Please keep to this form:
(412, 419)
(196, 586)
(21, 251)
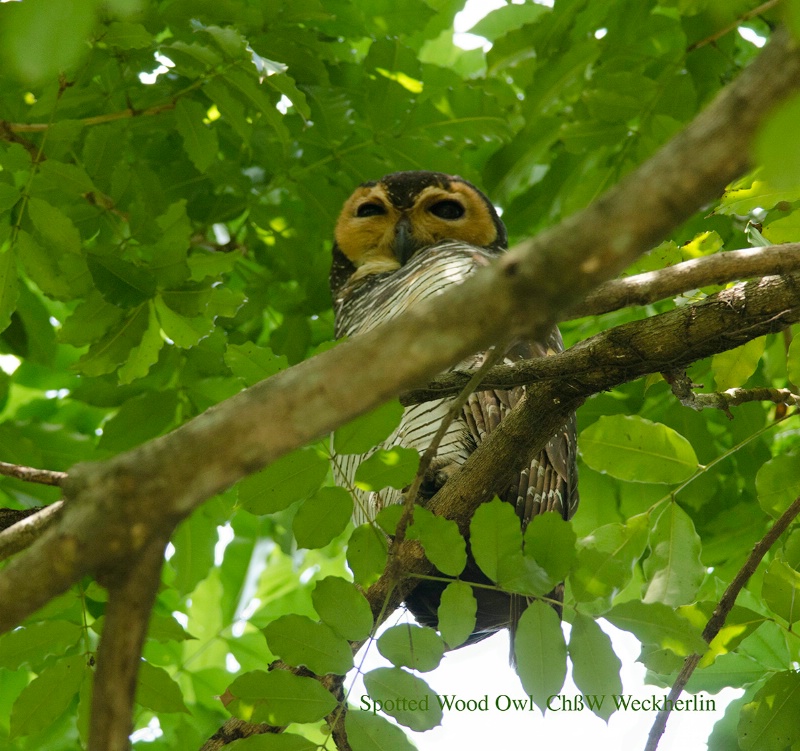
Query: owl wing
(549, 481)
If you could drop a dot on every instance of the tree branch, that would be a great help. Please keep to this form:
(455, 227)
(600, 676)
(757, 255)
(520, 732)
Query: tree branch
(22, 534)
(717, 620)
(641, 289)
(31, 474)
(119, 654)
(720, 268)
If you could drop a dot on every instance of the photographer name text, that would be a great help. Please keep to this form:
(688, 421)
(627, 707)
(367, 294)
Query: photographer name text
(555, 703)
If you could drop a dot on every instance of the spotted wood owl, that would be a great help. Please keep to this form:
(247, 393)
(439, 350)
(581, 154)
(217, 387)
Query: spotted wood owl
(398, 241)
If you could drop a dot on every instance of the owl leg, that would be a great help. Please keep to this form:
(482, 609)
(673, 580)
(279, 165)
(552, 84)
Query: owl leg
(437, 474)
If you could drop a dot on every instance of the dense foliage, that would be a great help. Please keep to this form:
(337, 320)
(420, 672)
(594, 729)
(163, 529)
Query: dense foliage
(170, 173)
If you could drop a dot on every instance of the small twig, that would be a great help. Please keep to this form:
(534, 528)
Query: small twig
(683, 388)
(717, 620)
(763, 8)
(26, 531)
(32, 474)
(8, 128)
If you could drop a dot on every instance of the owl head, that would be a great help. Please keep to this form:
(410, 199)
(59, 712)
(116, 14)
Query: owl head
(385, 222)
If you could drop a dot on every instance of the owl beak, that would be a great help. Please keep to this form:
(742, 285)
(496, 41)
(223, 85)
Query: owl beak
(404, 245)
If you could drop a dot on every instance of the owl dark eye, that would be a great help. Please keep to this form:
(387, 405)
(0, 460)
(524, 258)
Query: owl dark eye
(370, 209)
(447, 210)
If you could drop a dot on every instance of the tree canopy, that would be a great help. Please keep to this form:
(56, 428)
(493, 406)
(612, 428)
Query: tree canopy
(170, 174)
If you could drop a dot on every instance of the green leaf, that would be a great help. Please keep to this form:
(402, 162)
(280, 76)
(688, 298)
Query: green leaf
(405, 697)
(342, 606)
(31, 644)
(322, 517)
(47, 696)
(369, 732)
(300, 641)
(655, 623)
(775, 147)
(120, 282)
(279, 698)
(673, 570)
(496, 544)
(42, 40)
(550, 541)
(166, 259)
(9, 195)
(253, 363)
(495, 537)
(769, 722)
(781, 591)
(193, 59)
(66, 177)
(286, 86)
(247, 89)
(185, 332)
(507, 18)
(416, 647)
(456, 614)
(389, 517)
(59, 275)
(388, 468)
(289, 479)
(139, 419)
(156, 690)
(637, 450)
(595, 666)
(194, 542)
(365, 432)
(9, 285)
(733, 367)
(114, 348)
(165, 628)
(91, 319)
(441, 539)
(127, 36)
(778, 483)
(53, 227)
(144, 354)
(541, 652)
(367, 553)
(199, 139)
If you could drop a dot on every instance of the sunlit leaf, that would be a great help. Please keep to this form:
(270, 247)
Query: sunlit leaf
(441, 539)
(456, 613)
(300, 641)
(278, 697)
(411, 646)
(288, 479)
(342, 607)
(637, 450)
(541, 652)
(769, 722)
(673, 568)
(595, 666)
(322, 517)
(405, 697)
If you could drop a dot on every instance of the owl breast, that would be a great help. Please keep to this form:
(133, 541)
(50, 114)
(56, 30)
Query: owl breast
(383, 297)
